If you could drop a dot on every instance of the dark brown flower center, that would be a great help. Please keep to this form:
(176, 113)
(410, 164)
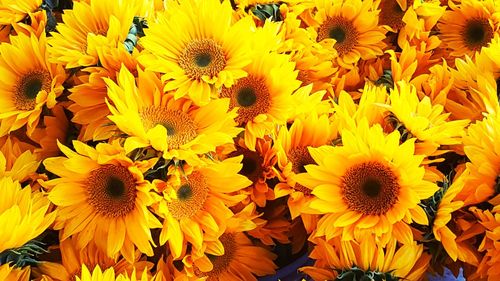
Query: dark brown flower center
(370, 188)
(202, 57)
(342, 30)
(28, 87)
(181, 128)
(477, 33)
(300, 157)
(252, 163)
(112, 190)
(191, 196)
(251, 95)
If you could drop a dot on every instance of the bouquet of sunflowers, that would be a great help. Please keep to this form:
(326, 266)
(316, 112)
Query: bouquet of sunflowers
(156, 140)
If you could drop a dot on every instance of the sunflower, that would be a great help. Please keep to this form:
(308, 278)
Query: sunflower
(196, 202)
(474, 89)
(109, 275)
(481, 147)
(348, 113)
(257, 167)
(20, 167)
(101, 195)
(240, 259)
(8, 272)
(178, 128)
(262, 98)
(392, 13)
(56, 127)
(446, 206)
(90, 27)
(29, 82)
(488, 268)
(24, 215)
(72, 259)
(469, 26)
(337, 259)
(351, 28)
(13, 12)
(197, 50)
(292, 151)
(422, 120)
(89, 94)
(370, 184)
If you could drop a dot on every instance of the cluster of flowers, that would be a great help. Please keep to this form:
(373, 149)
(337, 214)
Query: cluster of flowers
(219, 140)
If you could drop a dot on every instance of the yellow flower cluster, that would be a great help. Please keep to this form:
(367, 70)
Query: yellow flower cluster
(157, 140)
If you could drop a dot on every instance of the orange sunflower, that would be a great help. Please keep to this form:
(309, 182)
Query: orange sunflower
(28, 82)
(176, 127)
(351, 28)
(258, 168)
(197, 50)
(370, 184)
(101, 195)
(233, 256)
(292, 150)
(196, 201)
(469, 26)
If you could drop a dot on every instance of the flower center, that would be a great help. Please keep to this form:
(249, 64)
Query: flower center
(202, 57)
(342, 30)
(181, 128)
(370, 188)
(391, 14)
(112, 190)
(498, 88)
(191, 196)
(252, 163)
(251, 95)
(477, 33)
(300, 157)
(28, 87)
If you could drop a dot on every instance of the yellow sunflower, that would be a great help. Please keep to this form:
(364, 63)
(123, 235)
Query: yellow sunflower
(351, 28)
(13, 12)
(263, 98)
(196, 202)
(178, 128)
(292, 150)
(109, 275)
(422, 120)
(89, 28)
(474, 90)
(101, 195)
(20, 166)
(370, 184)
(89, 94)
(233, 256)
(469, 26)
(337, 259)
(482, 148)
(8, 272)
(73, 257)
(23, 215)
(197, 49)
(28, 84)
